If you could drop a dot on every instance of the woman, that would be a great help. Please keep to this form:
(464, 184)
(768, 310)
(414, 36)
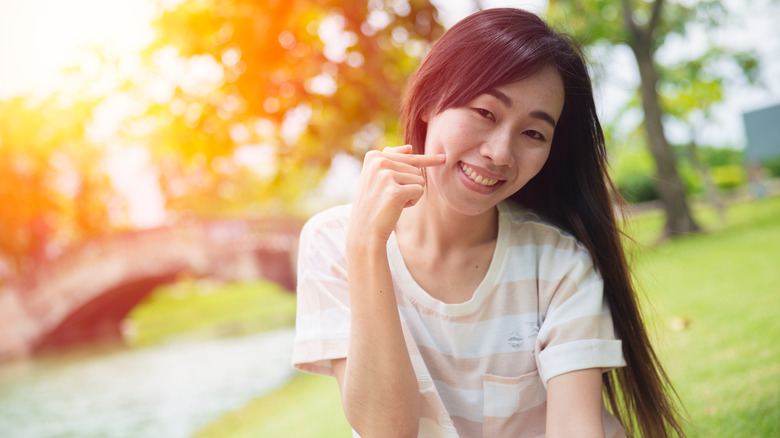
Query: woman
(477, 286)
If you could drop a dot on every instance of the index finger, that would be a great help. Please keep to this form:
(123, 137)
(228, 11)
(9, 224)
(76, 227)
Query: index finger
(418, 160)
(403, 149)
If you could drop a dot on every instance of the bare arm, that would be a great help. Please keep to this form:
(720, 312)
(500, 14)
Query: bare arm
(574, 405)
(378, 385)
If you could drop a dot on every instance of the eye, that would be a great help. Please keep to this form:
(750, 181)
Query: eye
(485, 113)
(536, 135)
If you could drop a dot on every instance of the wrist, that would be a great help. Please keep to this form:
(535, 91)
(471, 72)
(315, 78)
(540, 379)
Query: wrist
(365, 244)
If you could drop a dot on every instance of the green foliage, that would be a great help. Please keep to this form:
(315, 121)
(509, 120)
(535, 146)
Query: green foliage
(720, 156)
(729, 176)
(633, 173)
(772, 165)
(692, 86)
(637, 187)
(726, 167)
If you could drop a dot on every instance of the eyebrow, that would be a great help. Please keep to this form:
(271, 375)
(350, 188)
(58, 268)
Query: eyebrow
(507, 101)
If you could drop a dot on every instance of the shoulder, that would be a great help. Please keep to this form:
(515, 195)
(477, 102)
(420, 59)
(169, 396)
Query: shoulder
(544, 251)
(332, 220)
(322, 244)
(529, 228)
(325, 234)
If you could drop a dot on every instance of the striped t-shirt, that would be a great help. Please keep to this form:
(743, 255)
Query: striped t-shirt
(482, 365)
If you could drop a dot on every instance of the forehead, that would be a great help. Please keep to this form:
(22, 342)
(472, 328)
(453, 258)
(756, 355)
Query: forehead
(541, 92)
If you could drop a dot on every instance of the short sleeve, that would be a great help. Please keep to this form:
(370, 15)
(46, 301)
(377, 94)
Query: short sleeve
(322, 318)
(577, 331)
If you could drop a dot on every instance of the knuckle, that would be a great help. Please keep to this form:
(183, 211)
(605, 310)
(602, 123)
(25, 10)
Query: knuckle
(370, 156)
(385, 176)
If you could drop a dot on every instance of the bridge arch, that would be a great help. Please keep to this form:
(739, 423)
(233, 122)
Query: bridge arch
(86, 292)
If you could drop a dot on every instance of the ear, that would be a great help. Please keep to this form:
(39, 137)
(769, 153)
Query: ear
(425, 116)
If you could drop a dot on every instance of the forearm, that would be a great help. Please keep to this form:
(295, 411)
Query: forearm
(379, 392)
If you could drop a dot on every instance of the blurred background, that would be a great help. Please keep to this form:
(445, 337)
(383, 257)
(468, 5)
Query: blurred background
(158, 158)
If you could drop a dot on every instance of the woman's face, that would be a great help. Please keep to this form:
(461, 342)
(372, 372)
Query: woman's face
(495, 143)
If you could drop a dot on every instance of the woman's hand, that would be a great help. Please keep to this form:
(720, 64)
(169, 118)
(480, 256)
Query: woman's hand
(390, 181)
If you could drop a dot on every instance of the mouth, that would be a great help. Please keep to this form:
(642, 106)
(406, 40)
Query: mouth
(476, 177)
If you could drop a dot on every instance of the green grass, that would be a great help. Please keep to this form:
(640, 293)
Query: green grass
(308, 406)
(714, 302)
(193, 308)
(715, 298)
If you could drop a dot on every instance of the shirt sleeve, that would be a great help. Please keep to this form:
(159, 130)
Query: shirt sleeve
(322, 320)
(577, 331)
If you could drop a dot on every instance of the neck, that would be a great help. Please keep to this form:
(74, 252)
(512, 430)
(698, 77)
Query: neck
(432, 224)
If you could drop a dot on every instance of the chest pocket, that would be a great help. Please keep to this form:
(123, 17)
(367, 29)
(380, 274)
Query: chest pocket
(514, 406)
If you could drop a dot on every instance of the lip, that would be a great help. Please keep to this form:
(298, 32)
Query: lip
(475, 186)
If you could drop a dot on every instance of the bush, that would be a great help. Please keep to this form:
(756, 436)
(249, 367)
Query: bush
(637, 187)
(772, 165)
(634, 175)
(728, 176)
(635, 178)
(720, 156)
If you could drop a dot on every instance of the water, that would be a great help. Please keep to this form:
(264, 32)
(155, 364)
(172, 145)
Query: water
(168, 391)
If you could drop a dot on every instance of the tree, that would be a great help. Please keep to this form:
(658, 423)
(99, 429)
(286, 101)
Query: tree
(645, 26)
(52, 189)
(689, 90)
(292, 81)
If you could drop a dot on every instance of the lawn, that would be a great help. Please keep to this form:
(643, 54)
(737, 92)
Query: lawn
(713, 303)
(715, 298)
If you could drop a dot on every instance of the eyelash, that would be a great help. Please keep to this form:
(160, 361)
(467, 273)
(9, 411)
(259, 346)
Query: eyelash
(485, 113)
(535, 135)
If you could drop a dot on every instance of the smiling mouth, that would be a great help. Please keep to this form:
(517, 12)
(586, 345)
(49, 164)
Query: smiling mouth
(477, 178)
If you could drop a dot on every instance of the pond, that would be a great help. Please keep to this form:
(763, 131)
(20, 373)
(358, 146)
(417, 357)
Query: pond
(169, 391)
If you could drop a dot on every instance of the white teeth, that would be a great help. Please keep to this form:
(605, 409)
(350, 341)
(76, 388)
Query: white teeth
(479, 179)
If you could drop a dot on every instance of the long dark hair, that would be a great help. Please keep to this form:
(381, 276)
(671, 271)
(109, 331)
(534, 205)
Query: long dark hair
(495, 47)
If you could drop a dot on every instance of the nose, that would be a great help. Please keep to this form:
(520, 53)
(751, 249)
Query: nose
(499, 148)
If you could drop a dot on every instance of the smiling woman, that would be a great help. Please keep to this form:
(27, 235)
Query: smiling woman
(477, 285)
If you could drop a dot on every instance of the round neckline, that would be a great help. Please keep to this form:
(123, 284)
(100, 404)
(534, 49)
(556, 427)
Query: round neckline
(416, 293)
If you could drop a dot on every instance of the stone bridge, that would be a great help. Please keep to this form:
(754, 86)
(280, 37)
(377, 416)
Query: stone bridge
(87, 291)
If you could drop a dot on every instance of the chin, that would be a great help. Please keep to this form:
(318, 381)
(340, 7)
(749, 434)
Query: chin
(472, 209)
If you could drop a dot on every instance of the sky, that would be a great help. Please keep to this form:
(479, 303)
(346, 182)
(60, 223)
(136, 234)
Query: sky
(39, 37)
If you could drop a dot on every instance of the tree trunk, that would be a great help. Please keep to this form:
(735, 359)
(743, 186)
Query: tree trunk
(669, 184)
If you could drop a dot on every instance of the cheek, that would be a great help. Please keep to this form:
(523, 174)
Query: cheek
(533, 163)
(432, 141)
(542, 158)
(438, 142)
(446, 134)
